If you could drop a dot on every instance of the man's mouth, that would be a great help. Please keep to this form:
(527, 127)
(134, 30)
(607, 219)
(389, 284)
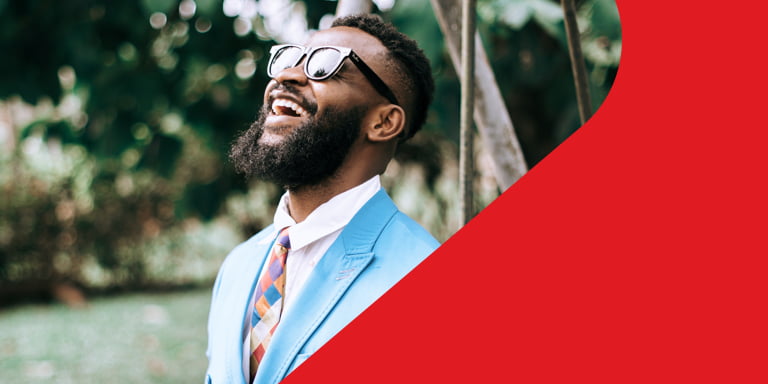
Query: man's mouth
(285, 107)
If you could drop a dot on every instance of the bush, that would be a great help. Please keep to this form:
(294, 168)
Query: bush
(65, 218)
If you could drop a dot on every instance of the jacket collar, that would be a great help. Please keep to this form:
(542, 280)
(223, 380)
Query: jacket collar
(347, 257)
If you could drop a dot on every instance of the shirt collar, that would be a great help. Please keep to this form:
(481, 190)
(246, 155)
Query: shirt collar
(329, 217)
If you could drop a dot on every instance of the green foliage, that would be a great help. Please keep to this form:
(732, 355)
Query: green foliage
(122, 121)
(142, 90)
(62, 221)
(517, 13)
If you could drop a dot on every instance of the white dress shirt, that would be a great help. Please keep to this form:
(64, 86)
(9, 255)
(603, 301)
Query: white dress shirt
(310, 239)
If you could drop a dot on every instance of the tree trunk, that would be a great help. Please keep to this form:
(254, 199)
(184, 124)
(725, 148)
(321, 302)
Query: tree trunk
(577, 60)
(466, 153)
(491, 115)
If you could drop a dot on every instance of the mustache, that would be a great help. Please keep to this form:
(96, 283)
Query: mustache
(283, 89)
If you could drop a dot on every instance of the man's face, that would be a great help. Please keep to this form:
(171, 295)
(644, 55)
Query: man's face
(307, 129)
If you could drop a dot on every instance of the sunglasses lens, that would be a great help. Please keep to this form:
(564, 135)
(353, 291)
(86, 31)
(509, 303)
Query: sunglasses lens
(286, 57)
(323, 62)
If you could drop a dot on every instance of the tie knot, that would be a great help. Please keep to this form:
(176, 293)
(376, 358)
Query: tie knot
(283, 238)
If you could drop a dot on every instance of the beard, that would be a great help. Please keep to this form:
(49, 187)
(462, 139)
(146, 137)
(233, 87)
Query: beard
(309, 154)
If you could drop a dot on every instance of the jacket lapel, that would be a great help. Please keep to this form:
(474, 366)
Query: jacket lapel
(239, 301)
(347, 257)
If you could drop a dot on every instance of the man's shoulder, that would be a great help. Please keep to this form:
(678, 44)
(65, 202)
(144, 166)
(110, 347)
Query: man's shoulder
(382, 215)
(398, 247)
(402, 232)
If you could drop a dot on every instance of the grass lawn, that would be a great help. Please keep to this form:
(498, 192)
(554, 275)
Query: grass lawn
(137, 338)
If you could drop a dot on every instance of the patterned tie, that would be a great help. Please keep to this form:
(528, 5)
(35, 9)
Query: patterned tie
(269, 300)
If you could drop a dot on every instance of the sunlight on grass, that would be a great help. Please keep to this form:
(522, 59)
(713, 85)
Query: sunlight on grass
(137, 338)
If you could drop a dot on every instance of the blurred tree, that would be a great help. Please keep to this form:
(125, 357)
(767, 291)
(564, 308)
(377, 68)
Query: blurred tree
(154, 79)
(146, 97)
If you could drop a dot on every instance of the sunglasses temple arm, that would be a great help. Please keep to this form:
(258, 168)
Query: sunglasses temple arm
(373, 78)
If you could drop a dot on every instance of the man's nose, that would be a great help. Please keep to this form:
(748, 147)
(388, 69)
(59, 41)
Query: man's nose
(294, 74)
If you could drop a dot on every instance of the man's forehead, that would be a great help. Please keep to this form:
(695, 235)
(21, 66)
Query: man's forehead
(361, 42)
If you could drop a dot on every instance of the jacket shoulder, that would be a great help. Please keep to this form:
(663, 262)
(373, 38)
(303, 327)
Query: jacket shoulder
(405, 235)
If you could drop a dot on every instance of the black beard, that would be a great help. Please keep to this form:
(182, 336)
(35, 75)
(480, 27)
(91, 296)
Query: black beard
(308, 155)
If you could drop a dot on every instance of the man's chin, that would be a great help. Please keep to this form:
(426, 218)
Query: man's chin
(273, 134)
(270, 138)
(276, 128)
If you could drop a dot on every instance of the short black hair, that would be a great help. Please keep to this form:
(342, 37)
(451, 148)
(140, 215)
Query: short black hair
(412, 66)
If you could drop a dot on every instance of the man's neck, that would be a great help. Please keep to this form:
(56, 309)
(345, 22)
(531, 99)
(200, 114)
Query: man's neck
(302, 201)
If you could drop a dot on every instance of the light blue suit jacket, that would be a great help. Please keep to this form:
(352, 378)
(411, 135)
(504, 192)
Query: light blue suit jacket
(373, 252)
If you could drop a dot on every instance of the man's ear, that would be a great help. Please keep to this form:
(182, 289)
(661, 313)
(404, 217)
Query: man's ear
(387, 123)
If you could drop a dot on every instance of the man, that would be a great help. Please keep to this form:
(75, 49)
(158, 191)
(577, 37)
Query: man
(332, 118)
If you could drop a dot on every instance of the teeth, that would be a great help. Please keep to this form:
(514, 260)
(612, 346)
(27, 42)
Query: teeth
(297, 109)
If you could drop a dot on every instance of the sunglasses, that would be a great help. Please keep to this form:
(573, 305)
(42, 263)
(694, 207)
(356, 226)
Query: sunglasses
(322, 63)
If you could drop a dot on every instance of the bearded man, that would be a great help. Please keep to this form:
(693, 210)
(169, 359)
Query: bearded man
(333, 115)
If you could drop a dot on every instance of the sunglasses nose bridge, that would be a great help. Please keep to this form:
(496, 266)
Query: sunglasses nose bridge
(294, 74)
